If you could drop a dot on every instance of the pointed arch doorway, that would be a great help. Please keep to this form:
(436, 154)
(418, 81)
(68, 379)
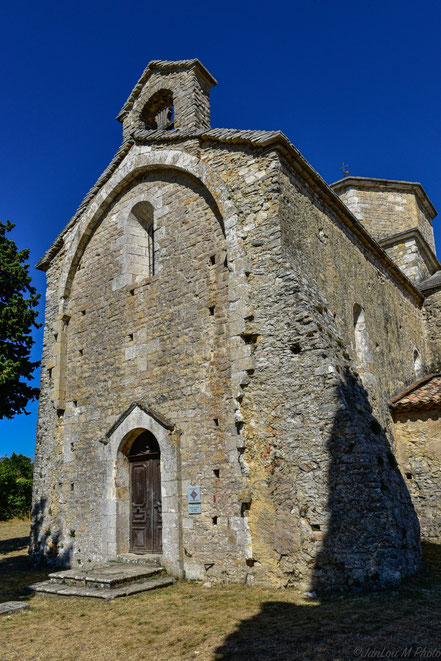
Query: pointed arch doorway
(145, 495)
(117, 503)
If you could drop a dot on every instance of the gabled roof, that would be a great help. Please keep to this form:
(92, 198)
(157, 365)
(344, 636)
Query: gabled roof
(422, 394)
(164, 65)
(229, 136)
(260, 140)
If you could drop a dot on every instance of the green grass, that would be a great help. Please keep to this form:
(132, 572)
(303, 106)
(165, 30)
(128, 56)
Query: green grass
(224, 622)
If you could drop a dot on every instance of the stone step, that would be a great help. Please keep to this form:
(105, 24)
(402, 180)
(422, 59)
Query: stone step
(107, 575)
(135, 559)
(63, 590)
(8, 607)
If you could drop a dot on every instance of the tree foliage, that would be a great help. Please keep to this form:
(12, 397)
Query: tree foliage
(15, 486)
(18, 298)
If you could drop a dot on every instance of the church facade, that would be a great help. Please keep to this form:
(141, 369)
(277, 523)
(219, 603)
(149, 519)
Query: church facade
(230, 349)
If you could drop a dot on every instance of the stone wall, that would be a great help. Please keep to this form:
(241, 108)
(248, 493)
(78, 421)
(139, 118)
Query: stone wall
(407, 254)
(418, 446)
(306, 409)
(347, 274)
(164, 340)
(49, 537)
(432, 310)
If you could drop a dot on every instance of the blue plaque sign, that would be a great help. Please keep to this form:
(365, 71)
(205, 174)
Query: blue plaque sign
(194, 509)
(194, 495)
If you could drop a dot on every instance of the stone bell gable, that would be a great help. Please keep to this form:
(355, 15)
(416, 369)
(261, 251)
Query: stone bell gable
(169, 95)
(222, 339)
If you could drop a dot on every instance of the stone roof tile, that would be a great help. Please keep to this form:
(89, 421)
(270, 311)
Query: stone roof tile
(434, 282)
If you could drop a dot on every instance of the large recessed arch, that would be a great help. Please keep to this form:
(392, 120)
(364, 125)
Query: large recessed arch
(137, 163)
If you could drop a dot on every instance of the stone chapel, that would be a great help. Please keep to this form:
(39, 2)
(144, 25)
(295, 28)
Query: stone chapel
(241, 363)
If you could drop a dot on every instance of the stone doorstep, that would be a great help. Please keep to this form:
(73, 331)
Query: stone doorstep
(136, 559)
(12, 606)
(47, 587)
(105, 576)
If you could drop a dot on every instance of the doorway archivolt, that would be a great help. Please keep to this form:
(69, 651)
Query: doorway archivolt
(141, 511)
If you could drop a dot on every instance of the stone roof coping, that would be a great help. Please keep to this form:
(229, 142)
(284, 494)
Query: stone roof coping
(422, 394)
(431, 284)
(163, 65)
(262, 139)
(369, 182)
(413, 233)
(229, 136)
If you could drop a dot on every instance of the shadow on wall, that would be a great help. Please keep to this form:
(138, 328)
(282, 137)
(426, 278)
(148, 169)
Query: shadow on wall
(46, 546)
(373, 538)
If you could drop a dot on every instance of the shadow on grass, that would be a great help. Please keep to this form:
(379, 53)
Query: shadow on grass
(404, 623)
(16, 569)
(13, 544)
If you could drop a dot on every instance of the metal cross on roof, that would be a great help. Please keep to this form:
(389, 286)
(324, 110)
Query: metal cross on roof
(343, 168)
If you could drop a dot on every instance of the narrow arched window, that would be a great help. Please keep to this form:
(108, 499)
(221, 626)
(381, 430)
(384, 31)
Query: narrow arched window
(141, 241)
(417, 363)
(361, 336)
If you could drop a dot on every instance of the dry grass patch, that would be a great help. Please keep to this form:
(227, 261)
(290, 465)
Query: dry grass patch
(224, 622)
(15, 569)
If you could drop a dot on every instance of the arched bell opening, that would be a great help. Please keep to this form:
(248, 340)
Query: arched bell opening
(158, 112)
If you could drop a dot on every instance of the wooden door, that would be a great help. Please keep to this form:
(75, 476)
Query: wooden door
(145, 510)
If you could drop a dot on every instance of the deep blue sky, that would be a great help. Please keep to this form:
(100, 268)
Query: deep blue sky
(353, 81)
